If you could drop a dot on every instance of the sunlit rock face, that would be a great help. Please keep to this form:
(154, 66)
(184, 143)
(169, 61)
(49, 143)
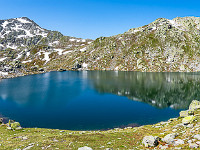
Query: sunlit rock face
(162, 90)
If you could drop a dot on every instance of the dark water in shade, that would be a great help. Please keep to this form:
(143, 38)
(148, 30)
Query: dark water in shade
(93, 100)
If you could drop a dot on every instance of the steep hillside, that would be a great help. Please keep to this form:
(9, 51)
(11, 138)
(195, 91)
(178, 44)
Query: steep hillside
(27, 48)
(163, 45)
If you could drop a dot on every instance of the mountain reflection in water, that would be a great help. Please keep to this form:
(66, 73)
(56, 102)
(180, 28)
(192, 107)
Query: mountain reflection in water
(93, 100)
(175, 90)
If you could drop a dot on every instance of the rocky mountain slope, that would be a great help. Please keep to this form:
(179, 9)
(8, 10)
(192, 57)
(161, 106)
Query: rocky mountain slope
(163, 45)
(27, 48)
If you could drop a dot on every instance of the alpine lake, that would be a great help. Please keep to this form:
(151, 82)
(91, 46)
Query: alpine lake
(96, 100)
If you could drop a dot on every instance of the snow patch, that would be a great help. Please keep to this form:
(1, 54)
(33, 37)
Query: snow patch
(59, 51)
(11, 46)
(26, 61)
(67, 52)
(23, 20)
(46, 56)
(83, 40)
(5, 24)
(28, 54)
(2, 59)
(83, 49)
(72, 40)
(3, 73)
(84, 65)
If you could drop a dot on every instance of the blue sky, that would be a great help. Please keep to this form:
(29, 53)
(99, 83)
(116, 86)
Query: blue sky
(95, 18)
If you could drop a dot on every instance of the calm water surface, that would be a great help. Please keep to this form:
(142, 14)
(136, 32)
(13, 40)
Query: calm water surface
(93, 100)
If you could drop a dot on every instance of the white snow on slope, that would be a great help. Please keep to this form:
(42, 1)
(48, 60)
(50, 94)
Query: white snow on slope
(5, 24)
(23, 20)
(67, 52)
(46, 56)
(59, 51)
(2, 59)
(84, 65)
(3, 73)
(26, 61)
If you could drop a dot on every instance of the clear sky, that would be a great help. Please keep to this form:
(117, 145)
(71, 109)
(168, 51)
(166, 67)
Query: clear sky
(95, 18)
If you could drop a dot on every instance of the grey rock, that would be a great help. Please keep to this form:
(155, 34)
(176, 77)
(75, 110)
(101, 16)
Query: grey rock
(197, 136)
(178, 142)
(85, 148)
(150, 141)
(195, 104)
(163, 147)
(169, 138)
(193, 145)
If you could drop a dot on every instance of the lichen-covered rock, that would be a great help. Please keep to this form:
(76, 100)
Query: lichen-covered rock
(15, 125)
(12, 125)
(186, 113)
(188, 120)
(169, 138)
(195, 104)
(150, 141)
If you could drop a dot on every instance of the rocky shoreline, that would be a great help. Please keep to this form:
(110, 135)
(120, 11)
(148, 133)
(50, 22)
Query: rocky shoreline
(178, 133)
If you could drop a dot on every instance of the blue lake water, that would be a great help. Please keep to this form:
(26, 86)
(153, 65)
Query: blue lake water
(94, 100)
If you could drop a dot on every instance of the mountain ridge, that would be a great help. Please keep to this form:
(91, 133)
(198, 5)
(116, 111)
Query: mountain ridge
(161, 46)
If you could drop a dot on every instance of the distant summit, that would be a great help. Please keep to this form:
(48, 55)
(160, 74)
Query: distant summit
(25, 46)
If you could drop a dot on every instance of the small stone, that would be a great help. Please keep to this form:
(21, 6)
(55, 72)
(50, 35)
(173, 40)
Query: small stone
(163, 147)
(193, 145)
(198, 142)
(174, 130)
(189, 141)
(9, 128)
(150, 141)
(109, 143)
(85, 148)
(197, 136)
(190, 126)
(25, 138)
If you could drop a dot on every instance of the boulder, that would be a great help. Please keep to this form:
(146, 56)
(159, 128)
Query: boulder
(178, 142)
(150, 141)
(188, 120)
(186, 113)
(195, 104)
(15, 125)
(197, 136)
(85, 148)
(193, 145)
(12, 125)
(169, 138)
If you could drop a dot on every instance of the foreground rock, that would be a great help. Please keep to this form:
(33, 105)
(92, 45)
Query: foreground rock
(12, 125)
(85, 148)
(150, 141)
(169, 139)
(179, 133)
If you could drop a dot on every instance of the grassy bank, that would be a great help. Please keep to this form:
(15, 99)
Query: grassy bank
(128, 138)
